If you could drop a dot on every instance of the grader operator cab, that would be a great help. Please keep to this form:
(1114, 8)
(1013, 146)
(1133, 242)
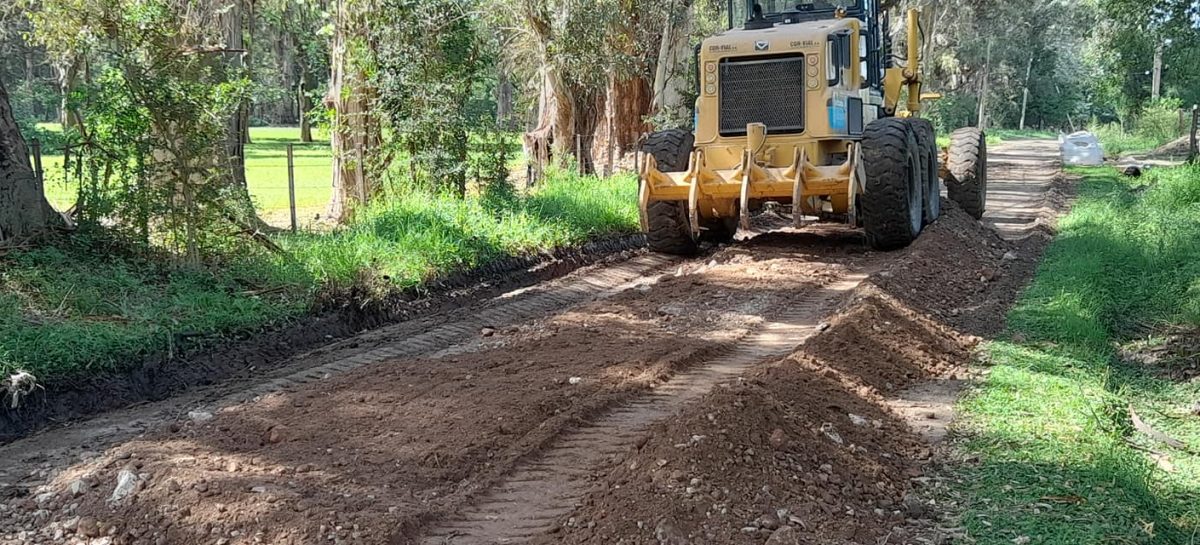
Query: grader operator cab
(800, 105)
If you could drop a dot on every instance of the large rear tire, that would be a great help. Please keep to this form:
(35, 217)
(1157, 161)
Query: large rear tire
(931, 185)
(967, 161)
(892, 209)
(669, 232)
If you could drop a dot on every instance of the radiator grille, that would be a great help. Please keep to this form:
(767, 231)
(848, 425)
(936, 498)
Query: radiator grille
(767, 91)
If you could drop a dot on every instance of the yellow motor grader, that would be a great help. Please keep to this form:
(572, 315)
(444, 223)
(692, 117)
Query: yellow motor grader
(799, 105)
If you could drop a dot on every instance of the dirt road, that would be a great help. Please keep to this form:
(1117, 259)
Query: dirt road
(738, 397)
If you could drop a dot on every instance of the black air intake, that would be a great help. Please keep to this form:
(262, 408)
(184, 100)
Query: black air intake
(768, 91)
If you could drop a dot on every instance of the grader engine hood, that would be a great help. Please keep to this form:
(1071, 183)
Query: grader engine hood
(778, 77)
(772, 123)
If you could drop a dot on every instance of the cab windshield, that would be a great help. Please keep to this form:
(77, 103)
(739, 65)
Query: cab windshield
(788, 11)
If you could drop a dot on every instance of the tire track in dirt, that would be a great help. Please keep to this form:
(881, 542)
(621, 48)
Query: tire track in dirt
(543, 489)
(416, 338)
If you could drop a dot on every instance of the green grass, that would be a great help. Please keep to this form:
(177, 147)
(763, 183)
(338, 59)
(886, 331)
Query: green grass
(999, 136)
(85, 305)
(411, 236)
(1050, 423)
(1117, 141)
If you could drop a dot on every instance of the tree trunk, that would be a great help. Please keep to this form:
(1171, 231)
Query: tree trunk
(356, 133)
(672, 79)
(504, 100)
(983, 88)
(68, 77)
(24, 211)
(232, 19)
(302, 99)
(1025, 92)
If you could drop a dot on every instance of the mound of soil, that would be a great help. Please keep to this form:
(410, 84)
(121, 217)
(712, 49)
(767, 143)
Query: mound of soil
(810, 448)
(962, 273)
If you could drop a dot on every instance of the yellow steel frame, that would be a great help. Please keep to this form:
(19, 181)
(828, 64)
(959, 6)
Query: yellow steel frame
(713, 191)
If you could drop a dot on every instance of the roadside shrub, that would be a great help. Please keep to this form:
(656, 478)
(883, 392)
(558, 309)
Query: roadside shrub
(1159, 121)
(1118, 141)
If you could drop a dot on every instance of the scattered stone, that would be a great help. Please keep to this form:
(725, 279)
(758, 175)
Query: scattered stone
(1021, 540)
(487, 331)
(831, 432)
(786, 535)
(87, 527)
(573, 381)
(914, 507)
(777, 439)
(127, 482)
(857, 420)
(768, 522)
(200, 417)
(78, 488)
(668, 534)
(276, 435)
(1011, 256)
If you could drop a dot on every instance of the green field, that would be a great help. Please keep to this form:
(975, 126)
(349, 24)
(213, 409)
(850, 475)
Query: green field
(266, 173)
(1058, 458)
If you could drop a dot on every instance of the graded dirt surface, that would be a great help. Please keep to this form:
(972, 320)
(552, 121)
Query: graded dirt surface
(764, 393)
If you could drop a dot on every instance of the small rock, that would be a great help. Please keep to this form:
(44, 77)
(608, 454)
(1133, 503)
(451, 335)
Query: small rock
(831, 432)
(106, 540)
(644, 288)
(574, 380)
(768, 521)
(822, 326)
(914, 507)
(200, 416)
(1011, 256)
(667, 534)
(87, 527)
(1196, 409)
(487, 331)
(1021, 540)
(857, 420)
(784, 536)
(276, 435)
(173, 486)
(79, 487)
(778, 438)
(43, 499)
(126, 484)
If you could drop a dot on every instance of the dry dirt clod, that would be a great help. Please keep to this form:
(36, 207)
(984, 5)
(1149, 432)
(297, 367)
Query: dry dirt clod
(127, 482)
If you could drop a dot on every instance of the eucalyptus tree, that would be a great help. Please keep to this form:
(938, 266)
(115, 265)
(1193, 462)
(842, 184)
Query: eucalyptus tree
(24, 212)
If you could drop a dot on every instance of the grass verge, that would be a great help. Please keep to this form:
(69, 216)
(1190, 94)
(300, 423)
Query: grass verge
(1058, 458)
(85, 305)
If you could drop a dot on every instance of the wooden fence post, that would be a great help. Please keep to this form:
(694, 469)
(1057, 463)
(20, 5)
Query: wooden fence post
(35, 146)
(361, 174)
(292, 187)
(1192, 151)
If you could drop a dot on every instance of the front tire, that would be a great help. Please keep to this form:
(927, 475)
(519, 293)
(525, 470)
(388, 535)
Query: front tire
(892, 208)
(669, 232)
(932, 187)
(967, 161)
